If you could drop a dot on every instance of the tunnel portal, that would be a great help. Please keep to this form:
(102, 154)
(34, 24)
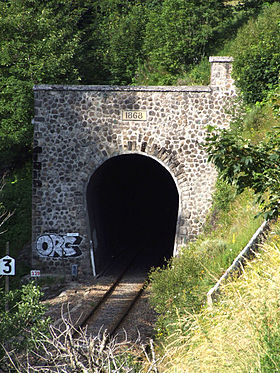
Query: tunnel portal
(132, 203)
(110, 163)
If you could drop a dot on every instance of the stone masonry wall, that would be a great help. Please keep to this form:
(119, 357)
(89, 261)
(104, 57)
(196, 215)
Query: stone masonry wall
(78, 128)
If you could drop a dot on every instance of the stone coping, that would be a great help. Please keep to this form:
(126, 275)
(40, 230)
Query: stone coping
(111, 88)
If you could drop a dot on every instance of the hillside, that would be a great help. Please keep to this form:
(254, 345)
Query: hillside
(241, 332)
(161, 43)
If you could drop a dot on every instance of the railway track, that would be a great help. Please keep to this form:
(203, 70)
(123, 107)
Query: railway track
(110, 312)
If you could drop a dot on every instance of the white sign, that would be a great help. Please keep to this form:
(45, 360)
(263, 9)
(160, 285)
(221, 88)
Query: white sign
(35, 273)
(7, 266)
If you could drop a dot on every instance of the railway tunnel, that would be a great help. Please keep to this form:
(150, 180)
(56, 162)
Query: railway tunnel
(132, 203)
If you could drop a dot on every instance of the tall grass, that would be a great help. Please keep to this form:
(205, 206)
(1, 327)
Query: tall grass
(242, 332)
(182, 285)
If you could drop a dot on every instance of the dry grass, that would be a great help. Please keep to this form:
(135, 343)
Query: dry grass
(68, 350)
(238, 334)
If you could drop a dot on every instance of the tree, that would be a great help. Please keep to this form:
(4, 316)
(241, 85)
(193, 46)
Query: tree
(252, 7)
(112, 38)
(38, 41)
(256, 52)
(179, 33)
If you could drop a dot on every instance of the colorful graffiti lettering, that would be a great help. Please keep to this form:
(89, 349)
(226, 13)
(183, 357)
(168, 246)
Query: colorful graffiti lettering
(56, 245)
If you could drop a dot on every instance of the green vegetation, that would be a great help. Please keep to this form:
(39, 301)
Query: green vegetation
(181, 286)
(256, 52)
(241, 333)
(249, 165)
(255, 46)
(37, 45)
(238, 333)
(178, 34)
(160, 42)
(16, 198)
(20, 327)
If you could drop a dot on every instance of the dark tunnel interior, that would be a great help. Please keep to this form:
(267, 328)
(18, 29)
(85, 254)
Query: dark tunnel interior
(133, 207)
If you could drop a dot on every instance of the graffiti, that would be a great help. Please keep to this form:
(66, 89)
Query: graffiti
(56, 245)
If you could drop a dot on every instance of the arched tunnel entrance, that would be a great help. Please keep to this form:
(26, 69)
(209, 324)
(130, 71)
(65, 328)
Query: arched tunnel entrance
(132, 203)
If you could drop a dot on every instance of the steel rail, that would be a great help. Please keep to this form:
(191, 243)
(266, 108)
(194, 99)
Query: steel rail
(109, 294)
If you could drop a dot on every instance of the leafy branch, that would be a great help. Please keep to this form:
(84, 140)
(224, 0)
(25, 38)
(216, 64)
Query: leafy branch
(247, 165)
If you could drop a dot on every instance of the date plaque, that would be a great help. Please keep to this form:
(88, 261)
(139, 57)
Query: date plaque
(134, 115)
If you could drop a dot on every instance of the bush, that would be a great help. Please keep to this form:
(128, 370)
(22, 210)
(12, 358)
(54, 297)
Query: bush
(224, 194)
(199, 75)
(21, 326)
(248, 165)
(256, 52)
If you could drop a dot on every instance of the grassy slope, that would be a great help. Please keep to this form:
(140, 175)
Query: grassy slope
(182, 286)
(242, 332)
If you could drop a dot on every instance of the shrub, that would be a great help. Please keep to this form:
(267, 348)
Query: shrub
(199, 75)
(21, 326)
(178, 35)
(248, 165)
(224, 194)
